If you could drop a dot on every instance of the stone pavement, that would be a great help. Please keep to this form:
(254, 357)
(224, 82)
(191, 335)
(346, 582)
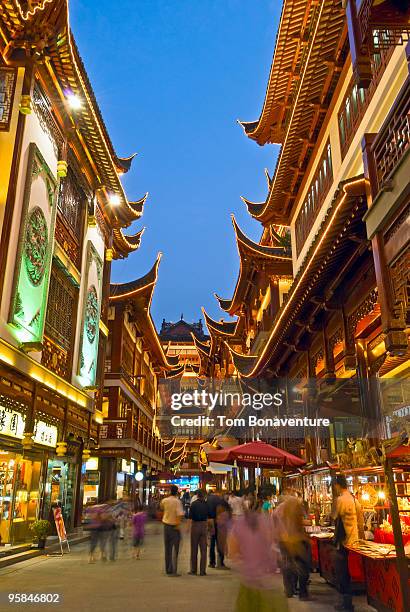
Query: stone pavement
(128, 584)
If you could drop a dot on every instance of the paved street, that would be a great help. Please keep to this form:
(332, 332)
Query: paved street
(128, 584)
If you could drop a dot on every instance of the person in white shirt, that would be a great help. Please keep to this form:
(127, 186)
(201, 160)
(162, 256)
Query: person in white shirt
(173, 513)
(236, 504)
(349, 512)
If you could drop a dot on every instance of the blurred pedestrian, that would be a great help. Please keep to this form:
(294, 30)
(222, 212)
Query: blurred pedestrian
(252, 553)
(214, 502)
(236, 503)
(172, 516)
(349, 528)
(138, 528)
(95, 522)
(294, 545)
(199, 515)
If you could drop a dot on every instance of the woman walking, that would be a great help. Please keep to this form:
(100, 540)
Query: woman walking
(138, 529)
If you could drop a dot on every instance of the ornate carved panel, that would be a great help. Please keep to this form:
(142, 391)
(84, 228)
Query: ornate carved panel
(400, 275)
(67, 241)
(55, 358)
(394, 228)
(365, 308)
(42, 108)
(336, 339)
(8, 79)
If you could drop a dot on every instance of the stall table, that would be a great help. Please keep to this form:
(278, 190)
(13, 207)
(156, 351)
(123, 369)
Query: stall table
(382, 577)
(328, 555)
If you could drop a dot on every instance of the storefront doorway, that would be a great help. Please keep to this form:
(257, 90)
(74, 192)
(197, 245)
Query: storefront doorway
(19, 497)
(60, 489)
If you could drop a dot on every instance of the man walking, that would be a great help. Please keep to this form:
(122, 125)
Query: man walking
(215, 503)
(199, 530)
(173, 512)
(349, 529)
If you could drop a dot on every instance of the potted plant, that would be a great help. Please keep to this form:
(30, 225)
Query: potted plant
(41, 529)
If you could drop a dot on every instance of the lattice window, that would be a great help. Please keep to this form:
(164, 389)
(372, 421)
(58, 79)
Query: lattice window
(71, 202)
(61, 309)
(8, 77)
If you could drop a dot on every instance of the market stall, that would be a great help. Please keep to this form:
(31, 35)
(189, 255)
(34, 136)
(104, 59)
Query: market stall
(381, 574)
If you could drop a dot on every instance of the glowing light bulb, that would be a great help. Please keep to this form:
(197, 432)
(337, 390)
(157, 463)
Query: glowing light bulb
(365, 496)
(114, 199)
(74, 101)
(381, 495)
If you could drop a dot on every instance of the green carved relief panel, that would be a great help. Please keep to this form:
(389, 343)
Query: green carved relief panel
(88, 356)
(34, 252)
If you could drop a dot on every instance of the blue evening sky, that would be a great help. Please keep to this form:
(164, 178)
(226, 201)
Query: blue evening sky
(171, 78)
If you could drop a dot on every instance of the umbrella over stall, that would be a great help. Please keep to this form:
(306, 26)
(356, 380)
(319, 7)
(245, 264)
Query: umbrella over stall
(255, 454)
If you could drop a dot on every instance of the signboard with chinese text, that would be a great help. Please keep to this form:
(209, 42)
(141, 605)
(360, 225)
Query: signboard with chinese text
(45, 434)
(12, 423)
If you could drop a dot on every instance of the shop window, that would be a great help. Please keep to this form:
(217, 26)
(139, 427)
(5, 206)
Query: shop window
(19, 497)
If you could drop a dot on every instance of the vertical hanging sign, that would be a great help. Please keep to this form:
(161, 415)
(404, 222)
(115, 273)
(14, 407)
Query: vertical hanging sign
(35, 246)
(87, 366)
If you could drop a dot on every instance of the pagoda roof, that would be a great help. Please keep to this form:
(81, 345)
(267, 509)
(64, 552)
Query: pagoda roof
(141, 286)
(125, 163)
(253, 256)
(64, 73)
(137, 296)
(125, 244)
(329, 251)
(182, 331)
(203, 348)
(306, 67)
(175, 372)
(135, 209)
(224, 328)
(243, 363)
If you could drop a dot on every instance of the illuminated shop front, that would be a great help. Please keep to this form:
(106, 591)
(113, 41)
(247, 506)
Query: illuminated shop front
(90, 477)
(32, 478)
(19, 496)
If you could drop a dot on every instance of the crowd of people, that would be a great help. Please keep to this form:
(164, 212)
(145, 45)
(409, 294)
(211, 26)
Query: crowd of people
(259, 537)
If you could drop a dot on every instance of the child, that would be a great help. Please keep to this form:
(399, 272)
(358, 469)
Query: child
(138, 531)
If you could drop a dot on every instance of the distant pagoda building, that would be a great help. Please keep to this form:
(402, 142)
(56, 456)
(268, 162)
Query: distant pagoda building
(178, 339)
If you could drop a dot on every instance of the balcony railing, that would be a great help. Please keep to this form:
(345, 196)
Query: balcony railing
(128, 429)
(317, 192)
(392, 141)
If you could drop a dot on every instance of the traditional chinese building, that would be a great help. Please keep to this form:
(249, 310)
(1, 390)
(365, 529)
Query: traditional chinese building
(337, 105)
(188, 341)
(130, 443)
(63, 212)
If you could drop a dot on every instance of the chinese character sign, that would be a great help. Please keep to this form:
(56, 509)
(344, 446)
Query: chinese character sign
(45, 434)
(12, 423)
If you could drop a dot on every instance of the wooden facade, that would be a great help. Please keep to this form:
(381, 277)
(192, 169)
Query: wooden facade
(340, 191)
(63, 212)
